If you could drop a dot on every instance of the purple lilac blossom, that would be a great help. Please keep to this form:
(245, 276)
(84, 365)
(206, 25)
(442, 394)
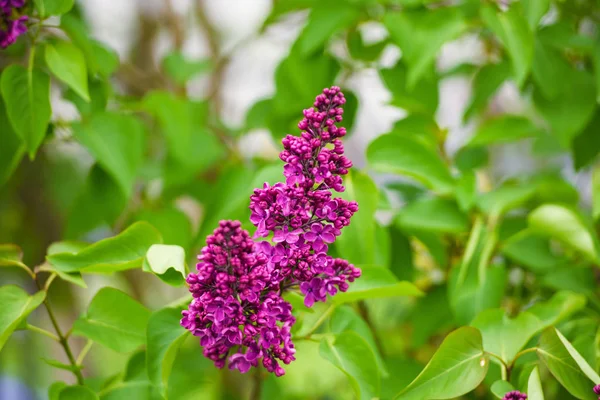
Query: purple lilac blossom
(12, 24)
(237, 309)
(515, 395)
(597, 390)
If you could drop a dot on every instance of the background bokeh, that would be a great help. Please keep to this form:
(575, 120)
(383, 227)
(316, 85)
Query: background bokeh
(216, 84)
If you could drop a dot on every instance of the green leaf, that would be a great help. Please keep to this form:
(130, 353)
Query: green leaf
(583, 365)
(67, 63)
(506, 336)
(488, 80)
(167, 262)
(376, 282)
(164, 337)
(562, 305)
(352, 355)
(433, 214)
(131, 390)
(181, 69)
(586, 146)
(566, 226)
(115, 320)
(558, 359)
(359, 50)
(183, 123)
(457, 367)
(431, 315)
(59, 365)
(100, 60)
(55, 389)
(500, 388)
(16, 307)
(99, 203)
(326, 18)
(12, 149)
(173, 224)
(504, 198)
(572, 109)
(26, 96)
(257, 115)
(358, 242)
(117, 142)
(513, 31)
(344, 319)
(421, 34)
(406, 156)
(549, 69)
(77, 393)
(47, 8)
(534, 11)
(124, 251)
(534, 386)
(504, 129)
(423, 98)
(531, 250)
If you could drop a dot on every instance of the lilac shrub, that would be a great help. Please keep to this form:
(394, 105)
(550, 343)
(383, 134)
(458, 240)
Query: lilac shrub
(12, 23)
(237, 309)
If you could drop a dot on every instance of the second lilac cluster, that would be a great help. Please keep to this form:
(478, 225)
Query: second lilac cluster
(12, 23)
(515, 395)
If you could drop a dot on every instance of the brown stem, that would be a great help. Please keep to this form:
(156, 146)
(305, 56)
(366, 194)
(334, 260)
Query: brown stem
(257, 384)
(62, 338)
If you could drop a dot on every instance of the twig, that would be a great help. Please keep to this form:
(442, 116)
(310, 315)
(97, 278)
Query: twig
(42, 331)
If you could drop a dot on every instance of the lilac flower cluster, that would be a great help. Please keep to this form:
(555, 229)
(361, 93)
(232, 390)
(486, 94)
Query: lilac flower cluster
(515, 395)
(12, 24)
(301, 213)
(237, 308)
(597, 390)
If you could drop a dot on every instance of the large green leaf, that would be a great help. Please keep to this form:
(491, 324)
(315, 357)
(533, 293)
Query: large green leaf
(549, 69)
(344, 319)
(531, 250)
(100, 59)
(130, 390)
(487, 81)
(16, 306)
(67, 63)
(124, 251)
(183, 123)
(512, 30)
(326, 18)
(353, 356)
(586, 145)
(12, 149)
(504, 129)
(358, 241)
(77, 393)
(506, 336)
(181, 69)
(26, 96)
(534, 11)
(164, 337)
(433, 214)
(47, 8)
(99, 203)
(457, 367)
(376, 282)
(422, 98)
(167, 262)
(558, 359)
(500, 388)
(402, 155)
(504, 198)
(566, 226)
(534, 386)
(559, 307)
(115, 320)
(117, 141)
(421, 34)
(572, 108)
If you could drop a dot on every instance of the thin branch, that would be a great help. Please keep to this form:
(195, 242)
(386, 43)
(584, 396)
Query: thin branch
(42, 331)
(84, 351)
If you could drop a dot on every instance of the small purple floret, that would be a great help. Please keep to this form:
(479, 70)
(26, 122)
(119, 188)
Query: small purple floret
(515, 395)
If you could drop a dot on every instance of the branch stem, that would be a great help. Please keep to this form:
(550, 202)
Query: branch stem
(42, 331)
